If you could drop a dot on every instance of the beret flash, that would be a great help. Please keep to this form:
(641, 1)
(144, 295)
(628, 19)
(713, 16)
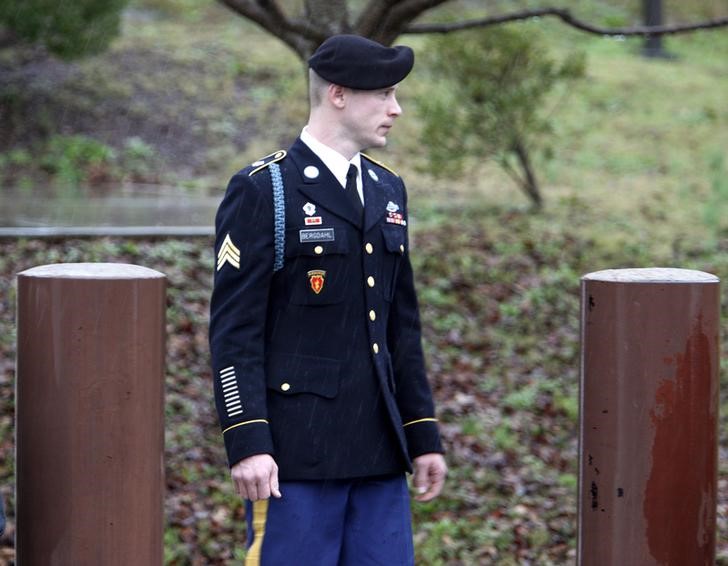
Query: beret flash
(360, 63)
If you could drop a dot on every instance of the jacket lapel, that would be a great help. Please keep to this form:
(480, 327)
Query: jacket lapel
(377, 194)
(319, 185)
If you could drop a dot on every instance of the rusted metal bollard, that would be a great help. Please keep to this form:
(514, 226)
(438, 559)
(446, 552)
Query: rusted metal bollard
(649, 418)
(90, 415)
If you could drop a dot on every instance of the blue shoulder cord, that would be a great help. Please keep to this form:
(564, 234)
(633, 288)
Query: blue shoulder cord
(279, 216)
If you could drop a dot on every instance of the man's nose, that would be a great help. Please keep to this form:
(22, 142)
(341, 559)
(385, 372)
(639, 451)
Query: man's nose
(395, 109)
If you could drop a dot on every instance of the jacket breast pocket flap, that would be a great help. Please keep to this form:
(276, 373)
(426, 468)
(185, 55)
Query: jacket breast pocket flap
(316, 271)
(394, 238)
(292, 374)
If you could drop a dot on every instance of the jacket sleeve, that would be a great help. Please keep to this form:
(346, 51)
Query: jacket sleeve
(404, 336)
(243, 272)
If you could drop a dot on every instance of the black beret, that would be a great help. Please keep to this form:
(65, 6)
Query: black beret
(360, 63)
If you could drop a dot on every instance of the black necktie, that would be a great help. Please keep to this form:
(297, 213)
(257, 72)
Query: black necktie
(351, 190)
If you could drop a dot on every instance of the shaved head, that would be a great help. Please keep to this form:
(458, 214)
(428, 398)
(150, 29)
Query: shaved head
(317, 86)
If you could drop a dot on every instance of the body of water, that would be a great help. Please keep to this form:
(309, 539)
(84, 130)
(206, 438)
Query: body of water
(153, 212)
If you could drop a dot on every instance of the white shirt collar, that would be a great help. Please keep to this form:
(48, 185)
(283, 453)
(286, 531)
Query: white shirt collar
(334, 161)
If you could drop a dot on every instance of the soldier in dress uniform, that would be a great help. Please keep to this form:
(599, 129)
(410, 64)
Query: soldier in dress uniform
(318, 368)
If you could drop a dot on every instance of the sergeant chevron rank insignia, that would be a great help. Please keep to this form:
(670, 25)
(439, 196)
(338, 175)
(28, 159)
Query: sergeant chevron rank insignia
(228, 253)
(316, 279)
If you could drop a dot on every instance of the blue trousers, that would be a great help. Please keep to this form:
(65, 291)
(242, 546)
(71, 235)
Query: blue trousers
(361, 522)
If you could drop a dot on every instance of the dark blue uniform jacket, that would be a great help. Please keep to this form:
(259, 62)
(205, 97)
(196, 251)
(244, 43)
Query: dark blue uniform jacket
(319, 364)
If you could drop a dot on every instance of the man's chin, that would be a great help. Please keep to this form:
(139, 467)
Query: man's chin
(375, 142)
(381, 141)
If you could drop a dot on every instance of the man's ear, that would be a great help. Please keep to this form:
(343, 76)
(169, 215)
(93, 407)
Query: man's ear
(336, 95)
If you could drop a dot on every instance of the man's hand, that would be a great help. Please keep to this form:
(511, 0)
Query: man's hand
(256, 477)
(430, 472)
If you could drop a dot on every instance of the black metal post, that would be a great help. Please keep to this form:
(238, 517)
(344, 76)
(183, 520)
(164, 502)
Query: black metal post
(652, 12)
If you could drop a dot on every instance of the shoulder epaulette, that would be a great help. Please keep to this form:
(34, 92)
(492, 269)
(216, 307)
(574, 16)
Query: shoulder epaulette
(382, 165)
(263, 162)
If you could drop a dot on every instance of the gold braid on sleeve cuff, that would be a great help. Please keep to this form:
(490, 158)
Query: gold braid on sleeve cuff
(246, 423)
(425, 420)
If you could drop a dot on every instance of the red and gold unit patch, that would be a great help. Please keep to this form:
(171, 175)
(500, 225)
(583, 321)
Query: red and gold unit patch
(316, 278)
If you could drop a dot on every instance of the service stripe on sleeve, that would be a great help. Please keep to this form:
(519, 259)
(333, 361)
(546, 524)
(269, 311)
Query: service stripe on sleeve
(230, 392)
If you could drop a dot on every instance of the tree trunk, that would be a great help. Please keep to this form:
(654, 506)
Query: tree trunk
(529, 183)
(332, 16)
(8, 38)
(380, 20)
(652, 13)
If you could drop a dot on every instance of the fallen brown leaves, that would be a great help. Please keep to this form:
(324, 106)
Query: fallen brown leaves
(500, 315)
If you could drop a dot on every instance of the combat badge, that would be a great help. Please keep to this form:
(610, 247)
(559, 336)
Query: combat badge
(392, 207)
(228, 253)
(310, 209)
(316, 278)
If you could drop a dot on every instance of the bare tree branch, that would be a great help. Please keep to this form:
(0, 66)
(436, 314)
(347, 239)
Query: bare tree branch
(302, 27)
(372, 16)
(299, 35)
(385, 20)
(307, 30)
(271, 6)
(398, 16)
(566, 17)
